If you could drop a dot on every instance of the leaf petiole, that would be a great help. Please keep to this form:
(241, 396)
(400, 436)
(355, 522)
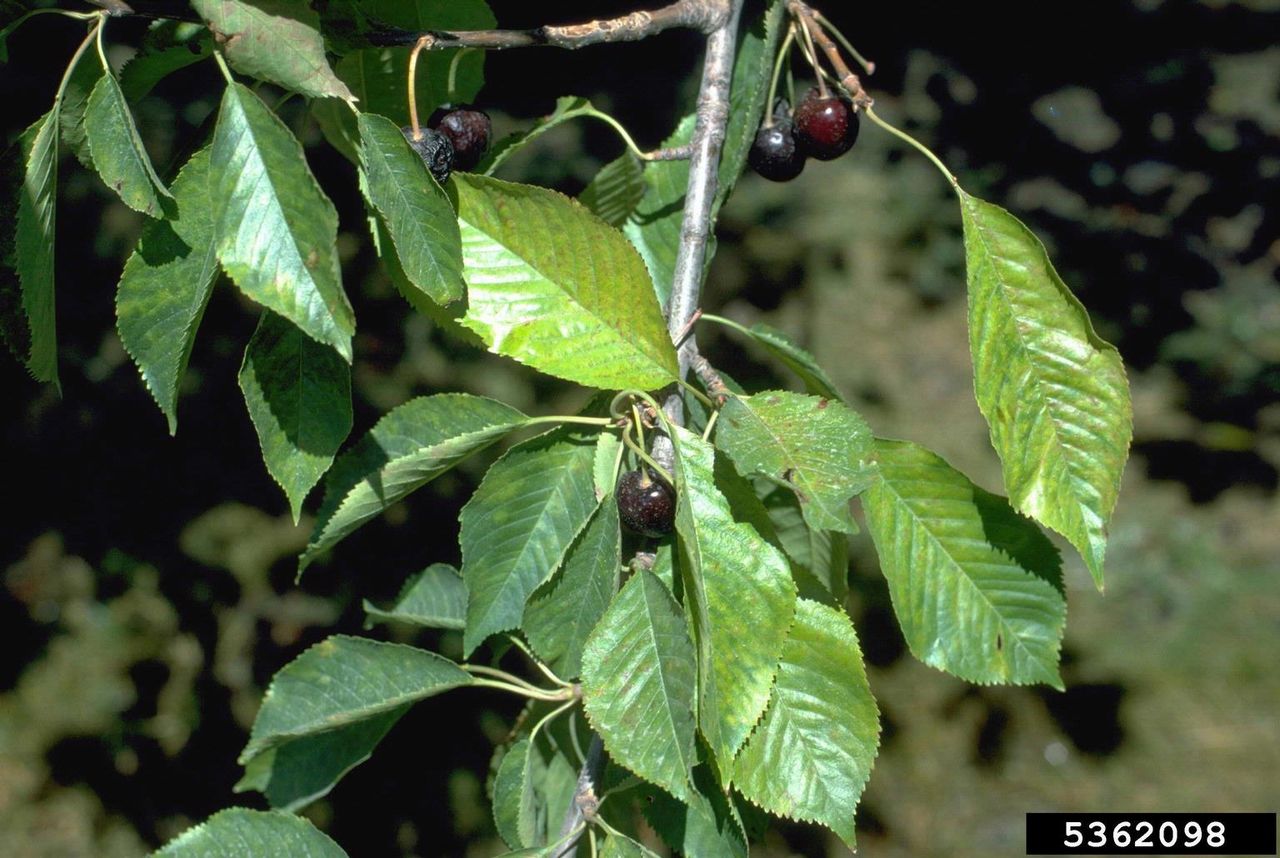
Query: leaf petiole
(923, 149)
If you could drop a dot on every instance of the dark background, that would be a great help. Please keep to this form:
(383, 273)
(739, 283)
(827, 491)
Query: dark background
(149, 593)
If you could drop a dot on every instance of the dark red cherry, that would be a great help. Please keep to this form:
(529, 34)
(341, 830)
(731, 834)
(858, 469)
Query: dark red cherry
(468, 129)
(646, 505)
(774, 154)
(827, 127)
(435, 150)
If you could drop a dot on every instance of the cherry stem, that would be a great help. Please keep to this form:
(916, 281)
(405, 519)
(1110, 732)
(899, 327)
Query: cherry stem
(783, 52)
(812, 55)
(413, 86)
(866, 64)
(813, 30)
(452, 87)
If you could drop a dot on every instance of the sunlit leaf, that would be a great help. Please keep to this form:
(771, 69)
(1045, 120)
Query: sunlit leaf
(638, 679)
(819, 448)
(277, 231)
(436, 598)
(240, 832)
(542, 271)
(118, 153)
(976, 587)
(1054, 393)
(166, 285)
(812, 754)
(742, 598)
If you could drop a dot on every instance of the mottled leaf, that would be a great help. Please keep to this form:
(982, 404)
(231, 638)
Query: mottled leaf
(638, 680)
(1054, 393)
(118, 153)
(812, 754)
(542, 271)
(976, 587)
(274, 40)
(819, 448)
(742, 598)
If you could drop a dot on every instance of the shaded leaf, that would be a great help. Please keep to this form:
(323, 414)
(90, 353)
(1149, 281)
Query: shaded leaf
(638, 684)
(277, 231)
(819, 448)
(568, 108)
(274, 40)
(519, 524)
(27, 291)
(299, 397)
(166, 285)
(345, 680)
(410, 446)
(168, 46)
(414, 208)
(561, 613)
(118, 153)
(293, 775)
(812, 754)
(976, 587)
(531, 791)
(240, 832)
(1054, 393)
(542, 271)
(703, 826)
(616, 190)
(742, 598)
(71, 107)
(794, 358)
(819, 558)
(619, 845)
(436, 598)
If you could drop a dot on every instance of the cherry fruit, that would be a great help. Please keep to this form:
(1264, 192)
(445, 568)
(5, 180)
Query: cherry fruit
(646, 504)
(774, 154)
(825, 127)
(468, 129)
(435, 150)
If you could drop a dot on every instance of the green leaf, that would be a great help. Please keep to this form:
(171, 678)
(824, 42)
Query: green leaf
(568, 108)
(166, 285)
(519, 524)
(976, 587)
(240, 832)
(705, 825)
(562, 612)
(342, 681)
(118, 153)
(638, 684)
(299, 397)
(616, 190)
(415, 210)
(742, 598)
(277, 231)
(531, 791)
(410, 446)
(378, 76)
(26, 293)
(542, 271)
(819, 558)
(794, 358)
(608, 448)
(274, 40)
(618, 845)
(436, 598)
(168, 46)
(819, 448)
(654, 226)
(71, 107)
(293, 775)
(812, 754)
(1054, 393)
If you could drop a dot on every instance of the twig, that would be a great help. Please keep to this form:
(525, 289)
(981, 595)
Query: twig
(584, 804)
(693, 14)
(708, 140)
(808, 19)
